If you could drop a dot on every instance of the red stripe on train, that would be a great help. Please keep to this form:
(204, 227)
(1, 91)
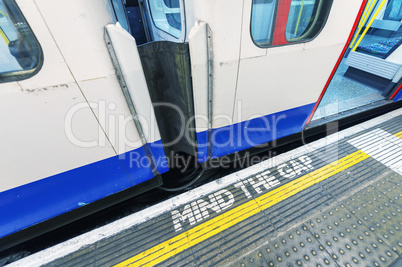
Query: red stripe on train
(280, 24)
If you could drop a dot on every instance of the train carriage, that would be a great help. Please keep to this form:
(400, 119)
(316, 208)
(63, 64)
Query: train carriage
(98, 96)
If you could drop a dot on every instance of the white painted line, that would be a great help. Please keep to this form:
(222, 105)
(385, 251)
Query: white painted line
(79, 242)
(389, 145)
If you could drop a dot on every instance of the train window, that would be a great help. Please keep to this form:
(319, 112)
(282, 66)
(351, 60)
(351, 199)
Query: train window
(281, 22)
(262, 17)
(166, 15)
(20, 53)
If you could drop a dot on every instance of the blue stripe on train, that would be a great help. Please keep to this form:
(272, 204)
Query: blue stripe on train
(35, 202)
(240, 136)
(398, 96)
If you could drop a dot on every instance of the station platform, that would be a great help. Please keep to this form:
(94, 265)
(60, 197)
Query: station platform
(333, 202)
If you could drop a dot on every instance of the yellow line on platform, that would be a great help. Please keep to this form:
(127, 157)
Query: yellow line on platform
(194, 236)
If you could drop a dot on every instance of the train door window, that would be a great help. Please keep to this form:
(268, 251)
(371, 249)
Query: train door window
(166, 15)
(20, 53)
(262, 18)
(281, 22)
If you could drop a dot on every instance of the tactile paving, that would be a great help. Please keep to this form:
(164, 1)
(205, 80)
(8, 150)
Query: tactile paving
(256, 258)
(379, 213)
(390, 189)
(296, 248)
(394, 178)
(348, 240)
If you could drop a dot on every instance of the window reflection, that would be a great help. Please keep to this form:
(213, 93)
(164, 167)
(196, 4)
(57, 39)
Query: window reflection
(166, 16)
(20, 55)
(301, 16)
(262, 21)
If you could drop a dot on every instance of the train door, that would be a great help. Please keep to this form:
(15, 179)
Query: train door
(159, 55)
(286, 56)
(371, 70)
